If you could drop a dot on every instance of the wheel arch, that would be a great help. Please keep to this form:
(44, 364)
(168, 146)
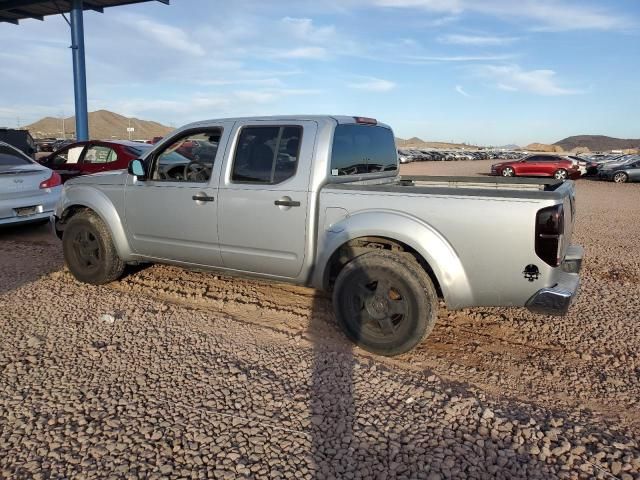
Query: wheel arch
(395, 231)
(80, 199)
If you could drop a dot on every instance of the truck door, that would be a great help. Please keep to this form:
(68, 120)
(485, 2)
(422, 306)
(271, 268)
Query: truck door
(173, 214)
(264, 197)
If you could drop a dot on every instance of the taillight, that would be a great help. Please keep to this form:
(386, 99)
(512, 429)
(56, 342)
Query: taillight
(53, 181)
(550, 234)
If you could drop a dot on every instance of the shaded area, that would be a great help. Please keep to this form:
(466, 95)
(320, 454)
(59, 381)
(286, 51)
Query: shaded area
(27, 252)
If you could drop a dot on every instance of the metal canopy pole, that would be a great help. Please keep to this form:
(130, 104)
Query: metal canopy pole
(79, 71)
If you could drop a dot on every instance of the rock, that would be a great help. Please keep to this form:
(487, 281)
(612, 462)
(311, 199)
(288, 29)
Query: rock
(616, 467)
(107, 318)
(487, 414)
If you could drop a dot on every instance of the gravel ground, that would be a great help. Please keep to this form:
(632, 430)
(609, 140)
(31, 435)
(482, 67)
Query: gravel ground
(176, 374)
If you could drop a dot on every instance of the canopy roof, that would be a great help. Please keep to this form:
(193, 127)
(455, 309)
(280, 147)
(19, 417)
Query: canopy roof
(12, 11)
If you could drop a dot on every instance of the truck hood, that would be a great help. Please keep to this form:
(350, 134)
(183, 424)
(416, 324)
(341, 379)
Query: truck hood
(112, 177)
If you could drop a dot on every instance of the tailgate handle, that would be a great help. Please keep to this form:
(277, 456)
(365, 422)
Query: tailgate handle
(287, 203)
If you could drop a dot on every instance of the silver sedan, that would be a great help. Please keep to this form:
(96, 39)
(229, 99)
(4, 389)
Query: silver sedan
(28, 191)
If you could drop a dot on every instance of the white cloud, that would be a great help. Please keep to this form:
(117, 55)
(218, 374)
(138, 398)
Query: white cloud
(304, 29)
(476, 40)
(165, 35)
(372, 84)
(458, 58)
(513, 78)
(461, 91)
(548, 14)
(311, 53)
(453, 6)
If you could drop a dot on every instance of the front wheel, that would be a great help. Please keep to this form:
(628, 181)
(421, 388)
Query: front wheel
(561, 174)
(508, 172)
(89, 251)
(620, 177)
(385, 303)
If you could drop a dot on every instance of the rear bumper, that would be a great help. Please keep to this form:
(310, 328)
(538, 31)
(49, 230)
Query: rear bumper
(43, 202)
(556, 300)
(26, 219)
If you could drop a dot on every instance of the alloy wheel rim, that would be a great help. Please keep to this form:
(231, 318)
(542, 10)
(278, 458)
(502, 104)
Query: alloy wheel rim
(87, 249)
(380, 306)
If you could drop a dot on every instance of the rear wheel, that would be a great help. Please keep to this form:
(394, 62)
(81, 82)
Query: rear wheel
(508, 172)
(620, 177)
(385, 303)
(561, 174)
(89, 251)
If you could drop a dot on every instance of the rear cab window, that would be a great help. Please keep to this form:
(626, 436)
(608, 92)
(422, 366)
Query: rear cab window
(363, 149)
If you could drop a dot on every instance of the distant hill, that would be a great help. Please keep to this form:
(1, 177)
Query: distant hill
(416, 142)
(511, 146)
(103, 124)
(598, 143)
(543, 147)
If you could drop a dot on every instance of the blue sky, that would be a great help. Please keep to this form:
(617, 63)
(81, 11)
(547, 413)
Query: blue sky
(486, 72)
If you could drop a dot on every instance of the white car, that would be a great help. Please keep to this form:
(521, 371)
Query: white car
(29, 191)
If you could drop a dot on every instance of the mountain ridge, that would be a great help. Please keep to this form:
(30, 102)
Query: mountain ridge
(103, 124)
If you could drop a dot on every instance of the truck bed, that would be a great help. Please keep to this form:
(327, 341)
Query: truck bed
(539, 188)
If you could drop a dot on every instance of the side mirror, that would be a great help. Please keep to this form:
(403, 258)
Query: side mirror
(136, 167)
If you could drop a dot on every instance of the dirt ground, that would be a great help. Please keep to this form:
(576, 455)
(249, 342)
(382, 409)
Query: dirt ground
(175, 374)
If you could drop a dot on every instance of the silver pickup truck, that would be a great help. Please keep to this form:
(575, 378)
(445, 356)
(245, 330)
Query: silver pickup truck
(318, 201)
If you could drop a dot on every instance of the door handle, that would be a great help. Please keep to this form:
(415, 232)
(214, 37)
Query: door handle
(286, 203)
(202, 198)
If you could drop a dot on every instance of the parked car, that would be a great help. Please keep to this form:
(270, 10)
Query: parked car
(28, 191)
(20, 139)
(318, 201)
(58, 144)
(84, 158)
(555, 166)
(44, 144)
(622, 173)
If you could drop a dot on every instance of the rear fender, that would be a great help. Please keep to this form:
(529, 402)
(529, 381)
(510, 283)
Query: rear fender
(404, 228)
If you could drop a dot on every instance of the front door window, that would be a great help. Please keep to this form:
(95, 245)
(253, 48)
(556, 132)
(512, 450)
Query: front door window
(188, 159)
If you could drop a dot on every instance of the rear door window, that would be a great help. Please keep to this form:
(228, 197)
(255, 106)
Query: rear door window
(267, 155)
(361, 149)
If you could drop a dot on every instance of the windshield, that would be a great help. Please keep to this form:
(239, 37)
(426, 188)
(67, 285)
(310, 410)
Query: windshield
(360, 149)
(9, 157)
(138, 150)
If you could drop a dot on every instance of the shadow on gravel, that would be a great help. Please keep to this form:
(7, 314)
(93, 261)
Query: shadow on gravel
(27, 252)
(332, 406)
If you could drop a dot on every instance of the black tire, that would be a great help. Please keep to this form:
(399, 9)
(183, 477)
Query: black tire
(561, 174)
(385, 302)
(88, 250)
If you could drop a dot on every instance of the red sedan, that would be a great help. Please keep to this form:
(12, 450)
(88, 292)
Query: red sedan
(84, 158)
(555, 166)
